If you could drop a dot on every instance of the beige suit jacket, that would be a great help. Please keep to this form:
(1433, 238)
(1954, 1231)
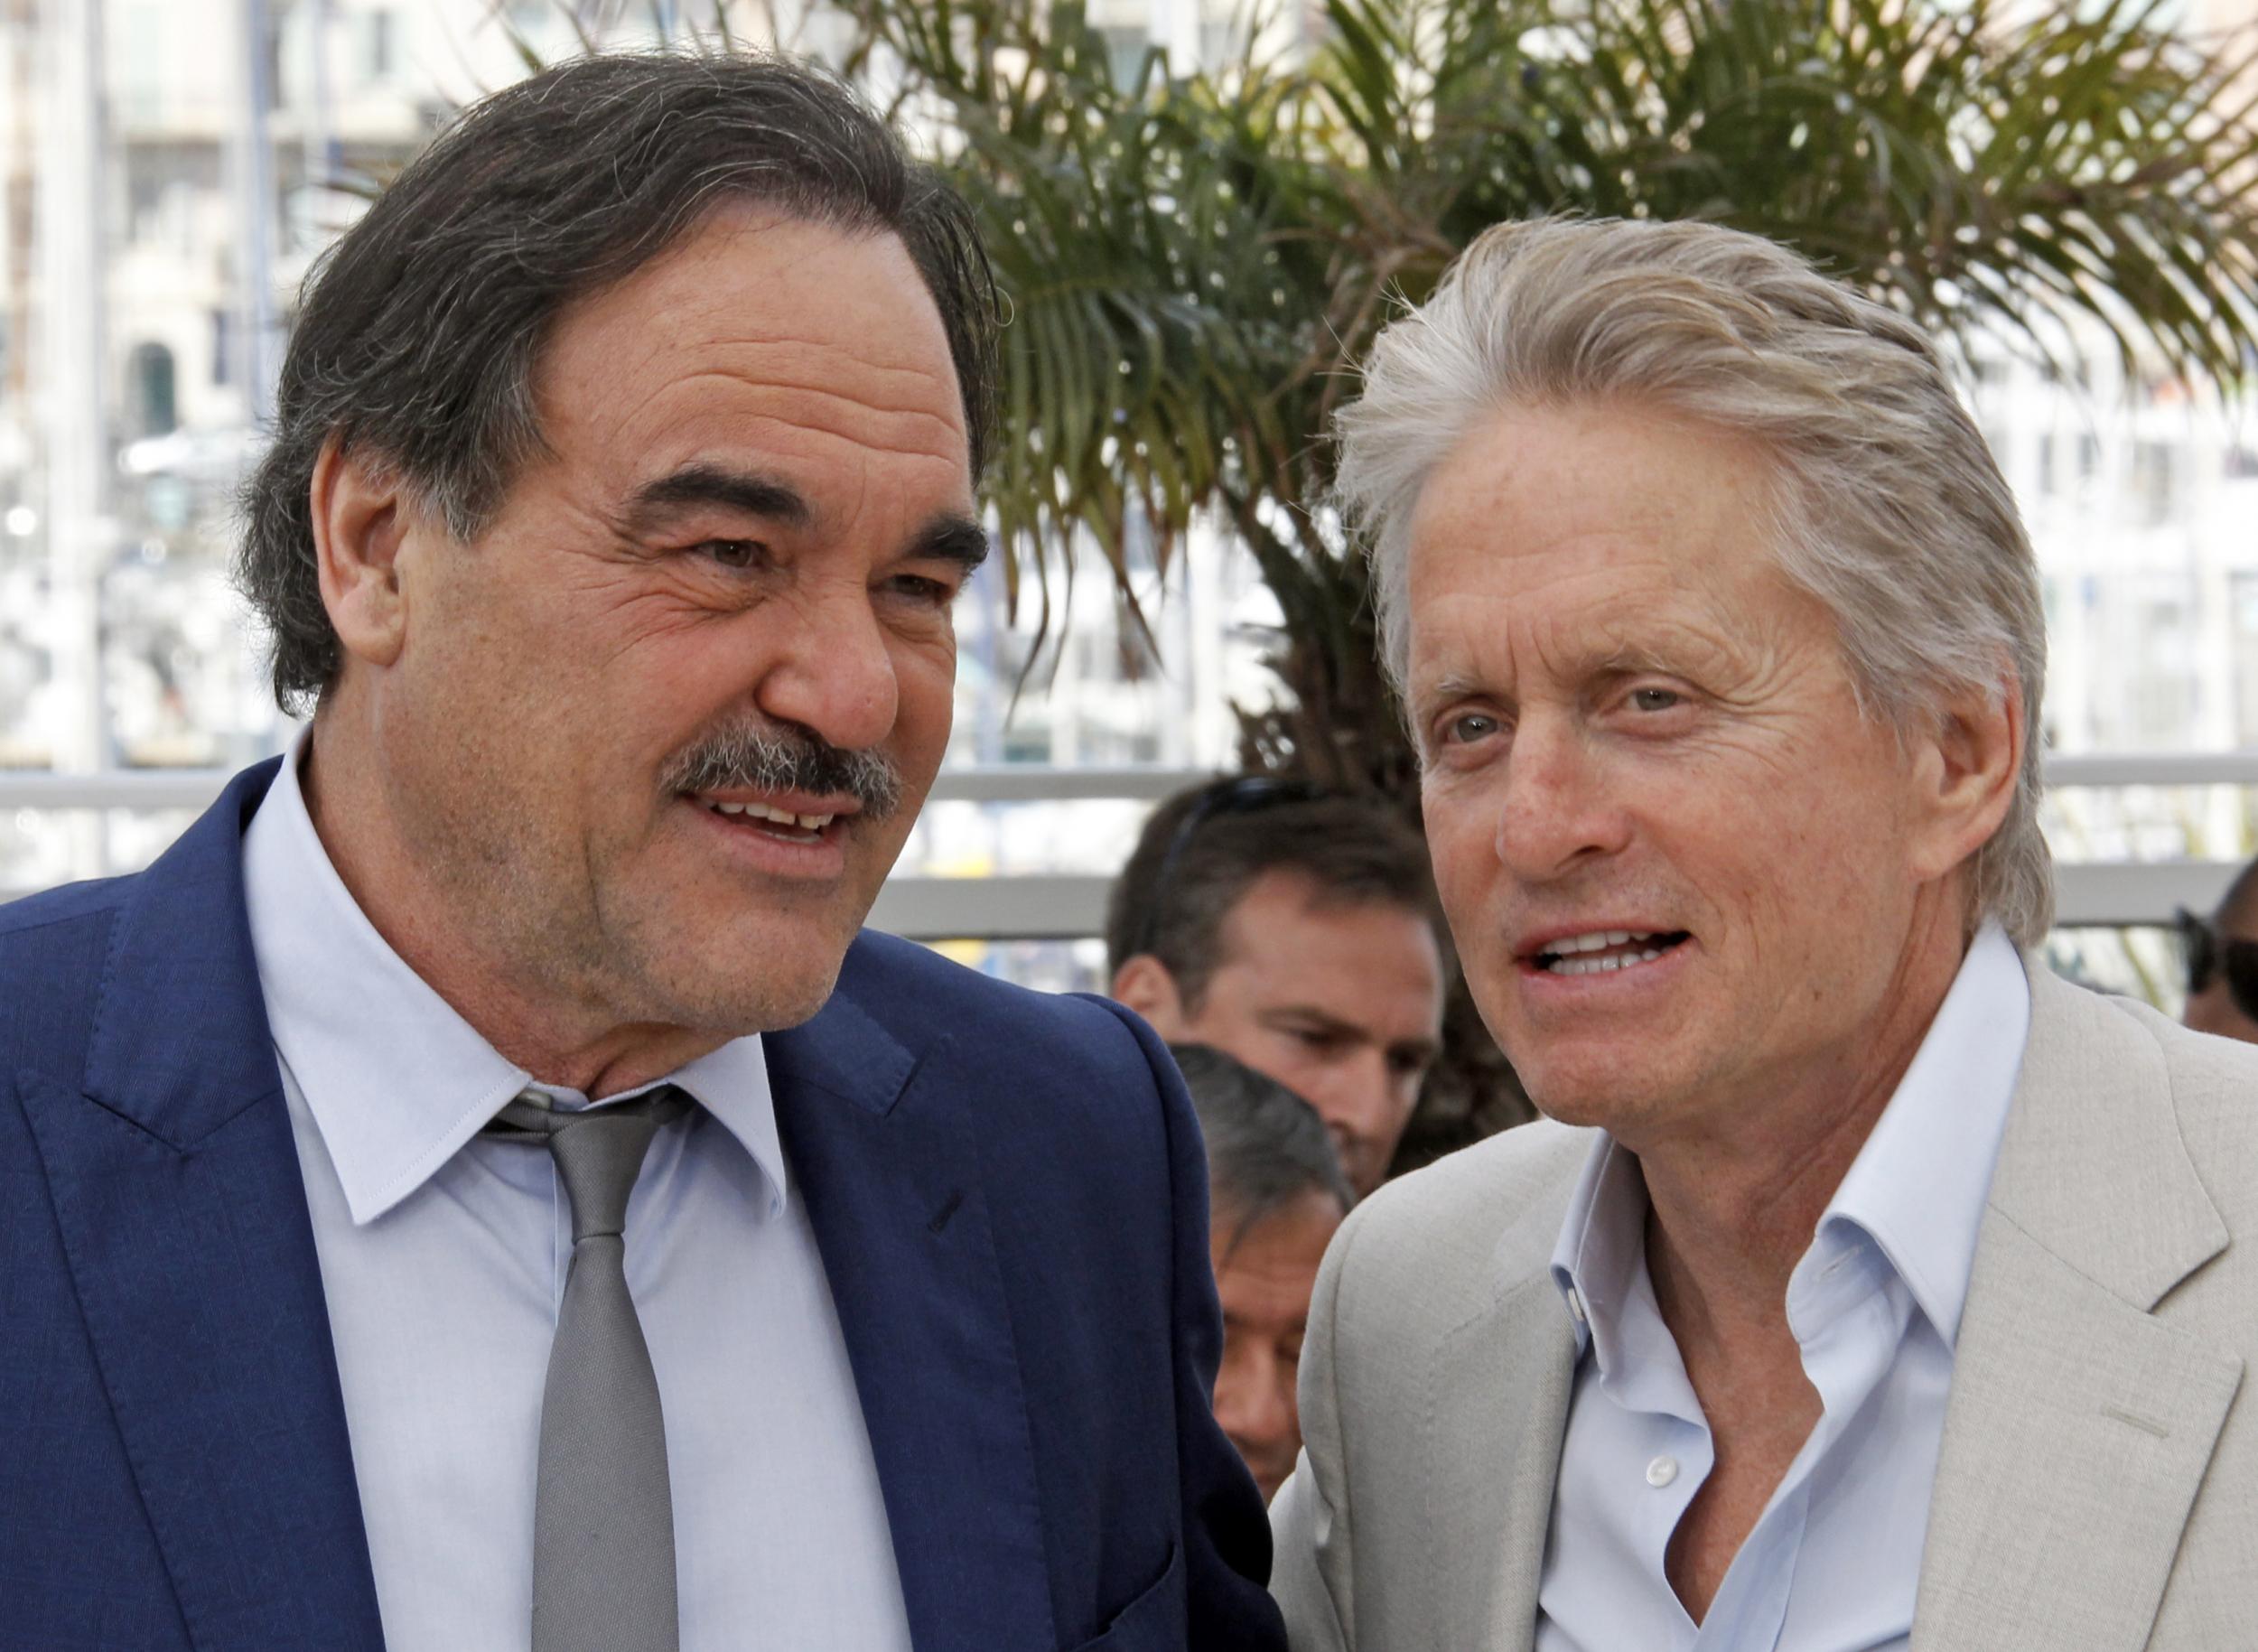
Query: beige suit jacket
(2098, 1486)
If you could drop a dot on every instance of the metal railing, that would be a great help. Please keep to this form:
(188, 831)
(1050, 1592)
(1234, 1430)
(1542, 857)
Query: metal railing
(1070, 905)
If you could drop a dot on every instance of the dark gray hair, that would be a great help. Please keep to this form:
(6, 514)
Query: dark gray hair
(1887, 508)
(420, 331)
(1266, 1146)
(1198, 854)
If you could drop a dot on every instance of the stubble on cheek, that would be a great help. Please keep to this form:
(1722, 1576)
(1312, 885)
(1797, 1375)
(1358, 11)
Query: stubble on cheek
(534, 869)
(493, 761)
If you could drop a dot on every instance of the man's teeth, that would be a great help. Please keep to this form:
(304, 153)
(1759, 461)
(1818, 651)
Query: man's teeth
(761, 811)
(1595, 942)
(1592, 966)
(1598, 952)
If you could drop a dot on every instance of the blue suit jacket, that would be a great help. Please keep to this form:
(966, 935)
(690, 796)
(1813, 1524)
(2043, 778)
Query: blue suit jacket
(1007, 1190)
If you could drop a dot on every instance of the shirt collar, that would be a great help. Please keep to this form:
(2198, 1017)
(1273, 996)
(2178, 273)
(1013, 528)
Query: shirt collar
(1917, 1188)
(1919, 1184)
(1600, 1248)
(396, 1079)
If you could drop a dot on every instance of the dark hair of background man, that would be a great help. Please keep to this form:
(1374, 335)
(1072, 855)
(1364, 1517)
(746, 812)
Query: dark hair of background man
(1350, 851)
(1266, 1146)
(421, 332)
(2237, 912)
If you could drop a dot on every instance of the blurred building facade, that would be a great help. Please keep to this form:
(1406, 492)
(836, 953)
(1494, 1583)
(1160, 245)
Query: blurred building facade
(174, 167)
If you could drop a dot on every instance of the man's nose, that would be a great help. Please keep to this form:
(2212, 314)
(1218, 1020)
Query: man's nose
(1559, 808)
(834, 673)
(1357, 1097)
(1253, 1402)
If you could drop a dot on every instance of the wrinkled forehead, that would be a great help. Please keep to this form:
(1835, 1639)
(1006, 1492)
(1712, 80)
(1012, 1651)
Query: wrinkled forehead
(1601, 609)
(1583, 537)
(773, 310)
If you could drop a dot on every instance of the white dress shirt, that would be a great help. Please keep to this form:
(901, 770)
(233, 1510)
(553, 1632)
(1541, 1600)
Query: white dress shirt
(1833, 1564)
(443, 1257)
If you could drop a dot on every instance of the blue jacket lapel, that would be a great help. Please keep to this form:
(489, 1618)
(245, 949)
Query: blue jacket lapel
(176, 1188)
(882, 1150)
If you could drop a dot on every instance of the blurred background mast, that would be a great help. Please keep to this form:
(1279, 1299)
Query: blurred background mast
(68, 334)
(322, 167)
(23, 22)
(254, 166)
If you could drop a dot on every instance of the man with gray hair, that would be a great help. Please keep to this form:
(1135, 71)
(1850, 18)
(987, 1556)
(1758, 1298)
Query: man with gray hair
(1865, 1286)
(1276, 1198)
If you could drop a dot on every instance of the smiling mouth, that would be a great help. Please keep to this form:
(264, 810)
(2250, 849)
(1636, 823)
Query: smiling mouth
(1604, 951)
(769, 821)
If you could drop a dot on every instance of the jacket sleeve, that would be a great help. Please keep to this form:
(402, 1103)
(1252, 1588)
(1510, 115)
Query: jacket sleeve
(1309, 1516)
(1225, 1538)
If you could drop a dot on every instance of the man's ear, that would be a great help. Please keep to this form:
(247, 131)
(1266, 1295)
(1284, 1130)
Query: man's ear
(361, 513)
(1144, 984)
(1967, 771)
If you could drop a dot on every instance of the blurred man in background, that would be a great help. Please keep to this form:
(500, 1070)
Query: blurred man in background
(2222, 956)
(1276, 1196)
(1296, 931)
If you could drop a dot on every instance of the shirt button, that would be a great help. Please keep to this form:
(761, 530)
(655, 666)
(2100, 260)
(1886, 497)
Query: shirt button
(1662, 1471)
(1575, 1306)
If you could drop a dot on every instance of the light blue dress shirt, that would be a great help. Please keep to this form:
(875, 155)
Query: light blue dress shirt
(442, 1259)
(1834, 1562)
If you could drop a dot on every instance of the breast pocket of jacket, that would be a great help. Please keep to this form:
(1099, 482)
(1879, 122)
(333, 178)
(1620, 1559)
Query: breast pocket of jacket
(1153, 1621)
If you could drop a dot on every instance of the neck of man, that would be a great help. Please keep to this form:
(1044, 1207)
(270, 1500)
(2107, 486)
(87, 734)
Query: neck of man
(1731, 1211)
(561, 1038)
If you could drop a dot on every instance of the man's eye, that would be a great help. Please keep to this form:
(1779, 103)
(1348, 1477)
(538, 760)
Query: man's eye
(917, 588)
(1655, 699)
(736, 552)
(1468, 727)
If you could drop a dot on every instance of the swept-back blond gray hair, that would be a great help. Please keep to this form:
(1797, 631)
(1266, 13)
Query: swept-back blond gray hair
(1887, 508)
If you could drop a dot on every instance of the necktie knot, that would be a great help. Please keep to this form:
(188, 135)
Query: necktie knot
(598, 1152)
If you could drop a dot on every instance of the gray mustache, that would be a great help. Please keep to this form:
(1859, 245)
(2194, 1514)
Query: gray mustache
(752, 758)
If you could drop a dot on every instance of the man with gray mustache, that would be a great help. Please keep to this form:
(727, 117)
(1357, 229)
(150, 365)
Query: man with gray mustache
(480, 1188)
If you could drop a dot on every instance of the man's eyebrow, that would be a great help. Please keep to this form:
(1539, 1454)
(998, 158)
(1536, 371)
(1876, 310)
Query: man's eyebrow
(1451, 686)
(1325, 1020)
(954, 538)
(950, 537)
(1637, 660)
(743, 491)
(1425, 1049)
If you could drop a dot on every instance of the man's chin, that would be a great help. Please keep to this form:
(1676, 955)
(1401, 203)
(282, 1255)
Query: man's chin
(755, 976)
(738, 1006)
(1586, 1095)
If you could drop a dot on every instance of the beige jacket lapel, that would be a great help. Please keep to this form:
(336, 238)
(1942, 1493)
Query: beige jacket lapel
(1496, 1410)
(2079, 1426)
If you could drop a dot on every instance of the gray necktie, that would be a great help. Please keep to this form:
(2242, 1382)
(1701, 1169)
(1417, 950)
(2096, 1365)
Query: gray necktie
(603, 1529)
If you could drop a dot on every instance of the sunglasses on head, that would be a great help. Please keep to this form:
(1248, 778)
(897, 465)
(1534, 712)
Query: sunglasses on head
(1248, 794)
(2211, 954)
